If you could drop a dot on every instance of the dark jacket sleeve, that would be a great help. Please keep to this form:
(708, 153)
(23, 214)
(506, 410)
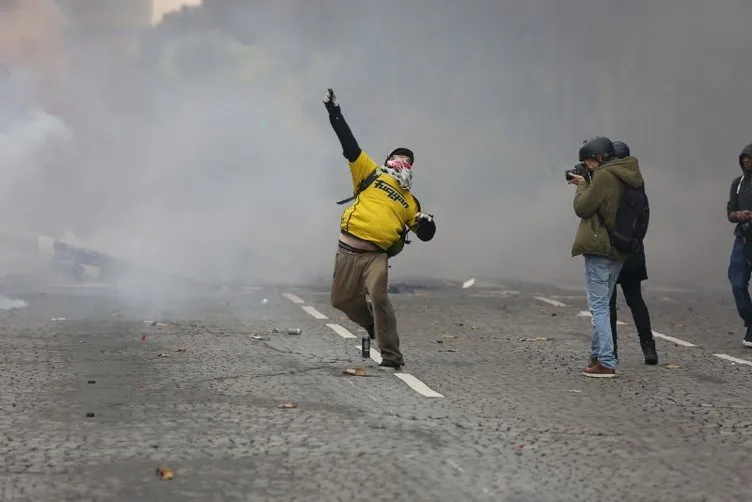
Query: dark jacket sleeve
(733, 202)
(350, 148)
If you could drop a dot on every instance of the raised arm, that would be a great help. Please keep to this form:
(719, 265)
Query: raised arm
(350, 148)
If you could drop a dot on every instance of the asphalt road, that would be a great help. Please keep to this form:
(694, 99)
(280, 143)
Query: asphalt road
(200, 394)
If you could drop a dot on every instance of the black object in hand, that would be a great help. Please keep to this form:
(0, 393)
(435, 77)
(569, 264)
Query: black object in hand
(577, 170)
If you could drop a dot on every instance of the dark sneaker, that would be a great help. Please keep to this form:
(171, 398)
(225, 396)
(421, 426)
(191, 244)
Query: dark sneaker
(390, 366)
(599, 371)
(747, 342)
(593, 362)
(648, 350)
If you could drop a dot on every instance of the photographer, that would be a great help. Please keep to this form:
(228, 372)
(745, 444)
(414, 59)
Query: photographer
(739, 211)
(631, 276)
(596, 203)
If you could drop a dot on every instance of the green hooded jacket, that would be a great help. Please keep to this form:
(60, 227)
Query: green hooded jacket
(602, 195)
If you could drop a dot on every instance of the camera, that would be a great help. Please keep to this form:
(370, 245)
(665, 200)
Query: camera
(577, 170)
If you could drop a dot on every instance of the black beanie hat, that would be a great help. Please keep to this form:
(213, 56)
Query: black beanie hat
(402, 151)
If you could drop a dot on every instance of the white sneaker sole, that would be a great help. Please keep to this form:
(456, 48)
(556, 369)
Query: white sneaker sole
(746, 343)
(595, 375)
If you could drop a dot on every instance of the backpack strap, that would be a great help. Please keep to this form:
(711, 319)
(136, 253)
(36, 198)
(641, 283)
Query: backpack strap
(365, 183)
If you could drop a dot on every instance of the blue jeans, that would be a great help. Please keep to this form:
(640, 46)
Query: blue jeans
(738, 274)
(601, 274)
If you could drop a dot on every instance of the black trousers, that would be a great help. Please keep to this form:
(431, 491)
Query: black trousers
(633, 295)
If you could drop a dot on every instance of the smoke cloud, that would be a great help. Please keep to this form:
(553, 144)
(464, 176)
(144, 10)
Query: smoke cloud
(208, 151)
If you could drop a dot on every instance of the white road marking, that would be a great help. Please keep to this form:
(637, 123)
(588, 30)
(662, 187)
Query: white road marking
(672, 339)
(315, 313)
(451, 462)
(733, 359)
(586, 313)
(293, 298)
(341, 331)
(555, 303)
(417, 385)
(375, 354)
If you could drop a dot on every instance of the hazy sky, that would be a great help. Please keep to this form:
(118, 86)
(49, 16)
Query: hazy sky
(212, 153)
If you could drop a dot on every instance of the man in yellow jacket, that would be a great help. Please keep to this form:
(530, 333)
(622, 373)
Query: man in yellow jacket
(373, 229)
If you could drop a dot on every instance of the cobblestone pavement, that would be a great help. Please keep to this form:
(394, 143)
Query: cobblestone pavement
(198, 392)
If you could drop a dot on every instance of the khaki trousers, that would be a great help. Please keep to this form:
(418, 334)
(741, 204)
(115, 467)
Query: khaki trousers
(356, 274)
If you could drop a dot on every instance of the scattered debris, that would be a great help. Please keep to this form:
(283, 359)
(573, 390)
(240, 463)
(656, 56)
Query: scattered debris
(536, 339)
(355, 372)
(450, 337)
(294, 331)
(165, 473)
(90, 415)
(439, 341)
(575, 391)
(275, 330)
(671, 366)
(58, 319)
(256, 337)
(679, 325)
(265, 300)
(92, 381)
(288, 406)
(163, 354)
(518, 449)
(468, 283)
(143, 338)
(447, 350)
(180, 350)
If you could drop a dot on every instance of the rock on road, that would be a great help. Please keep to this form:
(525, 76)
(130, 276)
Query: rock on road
(199, 392)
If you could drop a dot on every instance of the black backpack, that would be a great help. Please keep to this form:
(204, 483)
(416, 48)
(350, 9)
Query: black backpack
(398, 246)
(632, 220)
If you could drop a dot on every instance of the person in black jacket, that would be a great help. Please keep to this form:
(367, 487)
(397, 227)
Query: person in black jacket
(739, 211)
(631, 276)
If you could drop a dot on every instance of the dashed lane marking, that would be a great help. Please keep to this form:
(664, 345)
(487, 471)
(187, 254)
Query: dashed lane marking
(677, 341)
(341, 331)
(733, 359)
(293, 298)
(417, 385)
(585, 313)
(555, 303)
(375, 354)
(315, 313)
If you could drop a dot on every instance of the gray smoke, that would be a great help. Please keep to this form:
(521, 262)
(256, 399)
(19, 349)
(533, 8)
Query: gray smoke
(209, 153)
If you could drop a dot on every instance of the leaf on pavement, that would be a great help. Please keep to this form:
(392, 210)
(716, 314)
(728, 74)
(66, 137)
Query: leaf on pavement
(355, 372)
(165, 473)
(287, 405)
(672, 366)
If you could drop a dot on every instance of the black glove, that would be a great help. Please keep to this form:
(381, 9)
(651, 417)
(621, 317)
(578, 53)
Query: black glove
(330, 101)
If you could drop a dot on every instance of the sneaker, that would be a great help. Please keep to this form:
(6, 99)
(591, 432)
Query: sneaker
(599, 371)
(390, 366)
(648, 350)
(747, 342)
(593, 362)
